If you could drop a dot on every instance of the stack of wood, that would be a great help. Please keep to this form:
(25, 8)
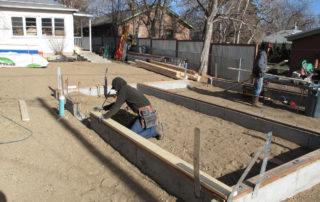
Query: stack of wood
(169, 70)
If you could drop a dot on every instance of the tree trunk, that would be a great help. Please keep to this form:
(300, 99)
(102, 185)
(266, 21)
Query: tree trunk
(163, 15)
(204, 60)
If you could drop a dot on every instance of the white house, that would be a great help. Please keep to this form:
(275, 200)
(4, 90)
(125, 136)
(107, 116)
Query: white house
(40, 26)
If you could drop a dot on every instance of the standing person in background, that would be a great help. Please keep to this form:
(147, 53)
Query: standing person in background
(259, 69)
(146, 124)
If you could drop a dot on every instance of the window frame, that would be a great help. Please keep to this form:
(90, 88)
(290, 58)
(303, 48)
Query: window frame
(54, 26)
(43, 27)
(12, 26)
(30, 26)
(38, 26)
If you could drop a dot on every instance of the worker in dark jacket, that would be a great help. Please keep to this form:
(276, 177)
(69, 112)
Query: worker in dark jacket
(259, 69)
(146, 124)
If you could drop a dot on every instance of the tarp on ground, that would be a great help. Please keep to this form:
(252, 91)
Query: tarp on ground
(12, 59)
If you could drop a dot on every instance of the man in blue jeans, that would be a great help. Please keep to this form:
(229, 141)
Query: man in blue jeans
(146, 125)
(259, 69)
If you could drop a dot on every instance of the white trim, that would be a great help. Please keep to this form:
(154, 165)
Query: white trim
(83, 15)
(40, 8)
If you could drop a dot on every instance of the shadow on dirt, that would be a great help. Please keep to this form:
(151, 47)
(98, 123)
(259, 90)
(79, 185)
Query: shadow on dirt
(110, 163)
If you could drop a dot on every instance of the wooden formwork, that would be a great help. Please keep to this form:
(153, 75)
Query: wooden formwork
(168, 70)
(176, 175)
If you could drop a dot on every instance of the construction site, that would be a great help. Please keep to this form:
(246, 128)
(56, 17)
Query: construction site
(135, 103)
(73, 157)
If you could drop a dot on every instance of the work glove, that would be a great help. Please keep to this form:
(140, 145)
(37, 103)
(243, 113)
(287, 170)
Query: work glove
(98, 108)
(100, 118)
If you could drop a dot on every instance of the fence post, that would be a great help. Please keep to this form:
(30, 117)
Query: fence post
(151, 52)
(177, 47)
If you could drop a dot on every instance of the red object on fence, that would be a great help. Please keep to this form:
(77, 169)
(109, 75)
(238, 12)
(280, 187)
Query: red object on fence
(123, 39)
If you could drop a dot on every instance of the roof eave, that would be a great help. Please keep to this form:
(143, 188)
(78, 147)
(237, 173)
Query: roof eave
(41, 8)
(83, 15)
(303, 35)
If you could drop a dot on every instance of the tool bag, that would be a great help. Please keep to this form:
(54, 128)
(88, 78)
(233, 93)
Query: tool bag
(147, 117)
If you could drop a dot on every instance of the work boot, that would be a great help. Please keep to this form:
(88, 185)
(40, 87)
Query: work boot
(159, 129)
(255, 102)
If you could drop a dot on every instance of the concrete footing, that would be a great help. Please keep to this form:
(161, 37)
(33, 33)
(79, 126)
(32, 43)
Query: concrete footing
(169, 171)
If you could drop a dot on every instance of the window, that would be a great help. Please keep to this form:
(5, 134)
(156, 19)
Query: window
(46, 26)
(17, 26)
(59, 27)
(169, 34)
(31, 26)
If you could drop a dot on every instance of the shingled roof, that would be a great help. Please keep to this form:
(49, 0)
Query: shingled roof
(128, 15)
(35, 4)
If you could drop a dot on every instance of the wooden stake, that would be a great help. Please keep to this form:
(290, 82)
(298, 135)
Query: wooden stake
(24, 111)
(78, 97)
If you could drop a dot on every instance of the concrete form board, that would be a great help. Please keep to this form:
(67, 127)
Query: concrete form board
(300, 137)
(284, 181)
(301, 178)
(287, 186)
(172, 179)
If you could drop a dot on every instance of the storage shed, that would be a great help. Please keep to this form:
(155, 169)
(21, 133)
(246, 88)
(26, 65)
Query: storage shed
(305, 46)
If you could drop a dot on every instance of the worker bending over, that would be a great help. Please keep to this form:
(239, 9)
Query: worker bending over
(146, 125)
(259, 69)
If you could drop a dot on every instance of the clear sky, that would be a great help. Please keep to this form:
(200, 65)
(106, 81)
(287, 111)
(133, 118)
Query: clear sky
(316, 7)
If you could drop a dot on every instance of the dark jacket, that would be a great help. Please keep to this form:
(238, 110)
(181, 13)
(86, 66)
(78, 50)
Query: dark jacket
(260, 65)
(134, 98)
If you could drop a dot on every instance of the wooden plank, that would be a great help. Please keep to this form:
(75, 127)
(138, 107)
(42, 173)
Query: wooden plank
(192, 75)
(158, 69)
(173, 67)
(24, 111)
(207, 182)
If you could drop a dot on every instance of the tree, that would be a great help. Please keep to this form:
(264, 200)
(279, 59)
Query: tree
(82, 5)
(213, 11)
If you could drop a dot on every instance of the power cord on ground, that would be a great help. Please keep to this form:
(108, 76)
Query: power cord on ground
(20, 140)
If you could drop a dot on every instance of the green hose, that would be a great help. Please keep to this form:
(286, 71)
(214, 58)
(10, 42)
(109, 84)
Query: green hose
(20, 140)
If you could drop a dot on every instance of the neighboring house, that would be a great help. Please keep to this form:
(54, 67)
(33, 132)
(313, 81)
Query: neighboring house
(305, 46)
(32, 26)
(280, 37)
(174, 27)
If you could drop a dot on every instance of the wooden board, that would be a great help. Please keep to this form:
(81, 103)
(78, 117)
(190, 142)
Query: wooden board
(176, 68)
(24, 111)
(158, 69)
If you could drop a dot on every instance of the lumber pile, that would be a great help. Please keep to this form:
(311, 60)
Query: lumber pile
(168, 70)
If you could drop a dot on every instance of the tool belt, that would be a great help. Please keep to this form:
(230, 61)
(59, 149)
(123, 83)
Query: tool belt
(148, 116)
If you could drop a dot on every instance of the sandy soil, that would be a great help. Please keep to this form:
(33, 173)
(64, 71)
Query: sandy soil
(64, 160)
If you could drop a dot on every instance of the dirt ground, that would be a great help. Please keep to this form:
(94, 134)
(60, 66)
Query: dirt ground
(64, 160)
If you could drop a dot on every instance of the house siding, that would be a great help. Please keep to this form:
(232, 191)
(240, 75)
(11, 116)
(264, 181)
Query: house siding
(181, 32)
(304, 49)
(40, 42)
